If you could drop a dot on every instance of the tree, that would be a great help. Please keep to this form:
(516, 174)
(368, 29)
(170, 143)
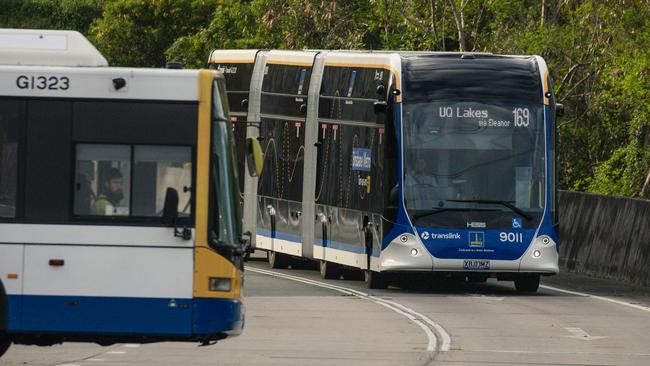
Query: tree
(49, 14)
(137, 33)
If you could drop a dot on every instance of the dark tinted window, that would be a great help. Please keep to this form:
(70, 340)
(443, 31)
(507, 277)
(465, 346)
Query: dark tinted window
(484, 77)
(10, 119)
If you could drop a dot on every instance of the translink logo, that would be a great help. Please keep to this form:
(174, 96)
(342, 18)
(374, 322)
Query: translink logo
(426, 235)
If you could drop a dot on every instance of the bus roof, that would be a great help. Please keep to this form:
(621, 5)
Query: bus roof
(34, 47)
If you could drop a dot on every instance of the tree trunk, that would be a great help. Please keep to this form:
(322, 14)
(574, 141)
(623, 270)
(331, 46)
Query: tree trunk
(645, 191)
(460, 22)
(434, 34)
(543, 12)
(444, 46)
(387, 21)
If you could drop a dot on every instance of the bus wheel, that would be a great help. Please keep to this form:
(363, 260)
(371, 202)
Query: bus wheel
(5, 342)
(329, 270)
(277, 260)
(527, 282)
(375, 280)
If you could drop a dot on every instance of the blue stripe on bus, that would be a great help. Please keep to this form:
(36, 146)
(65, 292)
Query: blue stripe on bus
(123, 315)
(402, 222)
(546, 227)
(279, 235)
(217, 315)
(341, 246)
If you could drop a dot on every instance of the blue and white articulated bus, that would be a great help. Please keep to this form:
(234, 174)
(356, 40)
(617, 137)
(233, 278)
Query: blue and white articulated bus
(119, 208)
(397, 163)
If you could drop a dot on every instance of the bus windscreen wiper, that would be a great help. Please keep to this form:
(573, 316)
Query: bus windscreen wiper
(507, 204)
(437, 210)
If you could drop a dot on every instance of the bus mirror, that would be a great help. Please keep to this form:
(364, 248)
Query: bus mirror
(170, 207)
(380, 107)
(254, 157)
(559, 110)
(381, 90)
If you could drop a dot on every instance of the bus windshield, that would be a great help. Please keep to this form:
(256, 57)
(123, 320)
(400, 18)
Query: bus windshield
(226, 218)
(462, 157)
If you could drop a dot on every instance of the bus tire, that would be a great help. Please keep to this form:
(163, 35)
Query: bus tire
(277, 260)
(329, 270)
(5, 341)
(527, 282)
(375, 280)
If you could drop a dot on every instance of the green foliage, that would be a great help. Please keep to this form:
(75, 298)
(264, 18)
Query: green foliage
(138, 32)
(597, 52)
(47, 14)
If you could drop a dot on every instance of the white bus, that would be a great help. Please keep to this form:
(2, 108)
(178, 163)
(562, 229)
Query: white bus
(399, 163)
(119, 207)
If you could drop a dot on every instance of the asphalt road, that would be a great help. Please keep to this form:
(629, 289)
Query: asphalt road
(295, 318)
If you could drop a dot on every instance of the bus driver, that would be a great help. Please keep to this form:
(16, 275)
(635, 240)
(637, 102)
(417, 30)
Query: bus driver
(106, 203)
(420, 175)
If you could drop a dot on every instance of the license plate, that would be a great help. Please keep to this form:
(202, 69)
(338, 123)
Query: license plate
(476, 265)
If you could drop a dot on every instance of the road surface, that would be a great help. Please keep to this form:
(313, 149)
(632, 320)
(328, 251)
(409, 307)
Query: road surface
(293, 317)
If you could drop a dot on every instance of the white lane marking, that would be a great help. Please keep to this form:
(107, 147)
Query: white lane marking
(580, 334)
(446, 339)
(407, 312)
(602, 298)
(482, 297)
(115, 352)
(555, 352)
(132, 345)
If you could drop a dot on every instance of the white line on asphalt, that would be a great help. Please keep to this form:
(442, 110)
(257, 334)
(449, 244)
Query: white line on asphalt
(579, 333)
(554, 352)
(635, 306)
(131, 345)
(407, 312)
(115, 352)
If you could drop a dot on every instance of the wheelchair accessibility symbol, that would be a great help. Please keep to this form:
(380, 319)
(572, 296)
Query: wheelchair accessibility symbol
(516, 223)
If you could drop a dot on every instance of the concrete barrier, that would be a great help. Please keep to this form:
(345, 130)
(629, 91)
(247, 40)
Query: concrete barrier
(605, 236)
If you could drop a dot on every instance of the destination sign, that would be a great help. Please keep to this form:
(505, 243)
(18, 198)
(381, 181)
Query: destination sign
(486, 115)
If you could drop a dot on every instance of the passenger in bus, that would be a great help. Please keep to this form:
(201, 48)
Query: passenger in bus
(107, 201)
(420, 176)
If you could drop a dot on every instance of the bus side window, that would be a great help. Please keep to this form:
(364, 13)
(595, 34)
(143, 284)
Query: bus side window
(156, 168)
(9, 126)
(102, 180)
(104, 187)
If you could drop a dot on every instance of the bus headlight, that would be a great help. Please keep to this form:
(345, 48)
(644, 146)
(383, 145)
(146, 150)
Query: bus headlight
(546, 240)
(537, 253)
(220, 284)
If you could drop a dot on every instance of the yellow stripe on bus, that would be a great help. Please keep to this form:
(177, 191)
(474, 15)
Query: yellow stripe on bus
(231, 61)
(206, 78)
(208, 263)
(546, 100)
(290, 63)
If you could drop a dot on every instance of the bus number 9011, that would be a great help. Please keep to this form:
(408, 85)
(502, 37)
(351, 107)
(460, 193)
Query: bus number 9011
(511, 237)
(43, 82)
